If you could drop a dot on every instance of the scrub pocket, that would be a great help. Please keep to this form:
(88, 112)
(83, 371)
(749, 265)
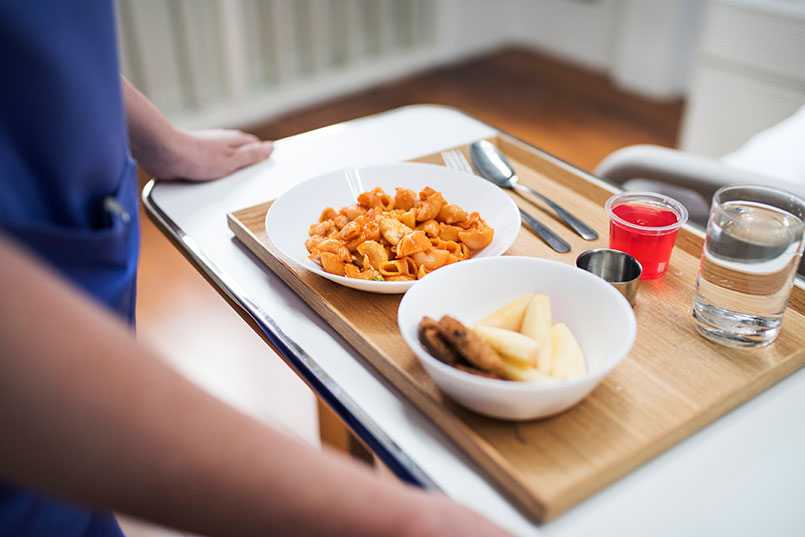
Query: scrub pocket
(101, 260)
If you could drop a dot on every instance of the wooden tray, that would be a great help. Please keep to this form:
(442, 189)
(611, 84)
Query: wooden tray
(671, 384)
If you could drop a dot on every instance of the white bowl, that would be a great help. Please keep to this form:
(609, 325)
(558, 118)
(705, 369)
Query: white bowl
(597, 314)
(291, 215)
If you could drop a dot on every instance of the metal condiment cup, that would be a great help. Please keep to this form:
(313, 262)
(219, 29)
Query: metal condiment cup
(618, 268)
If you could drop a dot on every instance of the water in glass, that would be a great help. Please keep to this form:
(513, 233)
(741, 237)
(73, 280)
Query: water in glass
(750, 259)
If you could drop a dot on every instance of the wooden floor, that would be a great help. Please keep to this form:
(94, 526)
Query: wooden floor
(575, 114)
(570, 112)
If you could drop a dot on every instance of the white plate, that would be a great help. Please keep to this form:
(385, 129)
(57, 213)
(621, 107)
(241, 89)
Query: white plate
(290, 216)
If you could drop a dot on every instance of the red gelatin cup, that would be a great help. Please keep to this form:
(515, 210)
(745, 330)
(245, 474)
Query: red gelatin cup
(644, 225)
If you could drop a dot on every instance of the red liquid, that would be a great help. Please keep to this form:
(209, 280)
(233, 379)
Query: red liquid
(652, 250)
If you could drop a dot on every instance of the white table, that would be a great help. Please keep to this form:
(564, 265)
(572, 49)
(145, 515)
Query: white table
(742, 475)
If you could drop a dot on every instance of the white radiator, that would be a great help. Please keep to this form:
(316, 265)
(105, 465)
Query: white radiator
(236, 62)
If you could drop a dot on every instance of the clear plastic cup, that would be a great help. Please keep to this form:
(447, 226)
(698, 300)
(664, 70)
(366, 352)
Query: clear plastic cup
(644, 225)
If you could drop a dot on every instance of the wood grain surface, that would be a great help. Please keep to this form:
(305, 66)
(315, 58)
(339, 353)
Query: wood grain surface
(671, 384)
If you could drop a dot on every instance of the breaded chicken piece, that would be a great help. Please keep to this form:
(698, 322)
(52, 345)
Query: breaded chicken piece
(434, 342)
(471, 346)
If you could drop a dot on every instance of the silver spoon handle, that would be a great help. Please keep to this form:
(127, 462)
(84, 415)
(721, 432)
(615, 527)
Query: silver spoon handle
(552, 239)
(585, 231)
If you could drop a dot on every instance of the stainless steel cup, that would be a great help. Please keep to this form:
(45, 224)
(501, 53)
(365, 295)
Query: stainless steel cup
(620, 269)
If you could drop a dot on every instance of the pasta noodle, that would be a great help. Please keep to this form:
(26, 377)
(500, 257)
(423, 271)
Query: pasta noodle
(395, 238)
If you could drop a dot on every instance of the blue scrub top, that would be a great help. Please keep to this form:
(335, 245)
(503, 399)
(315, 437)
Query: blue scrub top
(68, 190)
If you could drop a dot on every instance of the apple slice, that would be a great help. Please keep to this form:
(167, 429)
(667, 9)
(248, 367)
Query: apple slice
(537, 326)
(510, 316)
(525, 374)
(512, 346)
(568, 359)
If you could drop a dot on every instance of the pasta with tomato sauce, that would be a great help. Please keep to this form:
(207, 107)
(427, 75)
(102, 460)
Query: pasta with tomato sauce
(396, 237)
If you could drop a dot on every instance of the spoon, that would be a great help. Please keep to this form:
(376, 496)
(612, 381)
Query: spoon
(494, 167)
(456, 160)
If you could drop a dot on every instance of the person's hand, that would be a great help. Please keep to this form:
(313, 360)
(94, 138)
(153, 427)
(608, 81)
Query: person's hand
(441, 516)
(170, 153)
(203, 155)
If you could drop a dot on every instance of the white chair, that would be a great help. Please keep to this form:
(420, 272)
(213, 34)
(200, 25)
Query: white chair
(774, 157)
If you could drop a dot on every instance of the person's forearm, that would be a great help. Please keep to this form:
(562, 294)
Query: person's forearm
(168, 153)
(150, 133)
(88, 414)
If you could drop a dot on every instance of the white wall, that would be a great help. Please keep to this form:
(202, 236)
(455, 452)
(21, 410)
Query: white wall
(749, 73)
(471, 27)
(579, 31)
(654, 46)
(646, 46)
(234, 62)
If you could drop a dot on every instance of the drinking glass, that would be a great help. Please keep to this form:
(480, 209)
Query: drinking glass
(644, 225)
(751, 253)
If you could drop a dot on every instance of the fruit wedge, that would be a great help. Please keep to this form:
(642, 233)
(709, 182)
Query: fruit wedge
(512, 346)
(568, 359)
(537, 326)
(525, 374)
(510, 316)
